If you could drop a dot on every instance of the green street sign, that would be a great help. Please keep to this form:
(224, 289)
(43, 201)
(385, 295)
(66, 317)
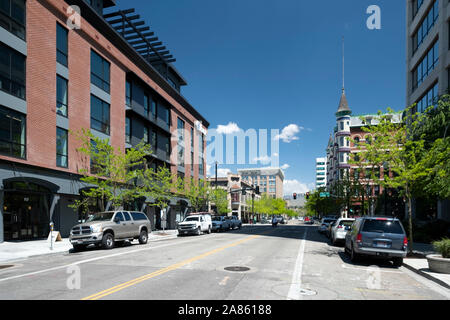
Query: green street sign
(324, 194)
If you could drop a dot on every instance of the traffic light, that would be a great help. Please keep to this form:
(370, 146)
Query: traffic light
(295, 196)
(257, 190)
(307, 195)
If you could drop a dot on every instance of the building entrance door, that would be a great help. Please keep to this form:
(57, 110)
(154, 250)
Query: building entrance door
(26, 214)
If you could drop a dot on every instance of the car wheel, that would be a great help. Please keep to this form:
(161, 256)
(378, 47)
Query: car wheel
(209, 229)
(199, 231)
(353, 255)
(240, 226)
(108, 241)
(398, 262)
(143, 237)
(333, 241)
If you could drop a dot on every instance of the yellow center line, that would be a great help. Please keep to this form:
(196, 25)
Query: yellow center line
(127, 284)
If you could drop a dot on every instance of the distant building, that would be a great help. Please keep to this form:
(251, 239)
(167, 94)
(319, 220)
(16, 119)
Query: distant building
(238, 204)
(269, 180)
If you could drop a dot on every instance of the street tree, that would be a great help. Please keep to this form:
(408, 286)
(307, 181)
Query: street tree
(109, 172)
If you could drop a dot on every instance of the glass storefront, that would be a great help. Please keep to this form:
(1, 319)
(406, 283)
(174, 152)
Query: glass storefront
(26, 213)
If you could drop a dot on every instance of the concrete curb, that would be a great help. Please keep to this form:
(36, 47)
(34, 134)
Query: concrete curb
(426, 275)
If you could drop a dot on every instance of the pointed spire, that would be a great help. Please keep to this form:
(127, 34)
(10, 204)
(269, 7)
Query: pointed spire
(343, 104)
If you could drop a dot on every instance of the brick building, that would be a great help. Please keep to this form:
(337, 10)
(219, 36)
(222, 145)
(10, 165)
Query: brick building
(62, 72)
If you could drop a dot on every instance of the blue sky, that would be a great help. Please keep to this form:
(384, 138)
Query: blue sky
(268, 64)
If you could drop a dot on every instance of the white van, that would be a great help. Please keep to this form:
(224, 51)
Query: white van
(195, 223)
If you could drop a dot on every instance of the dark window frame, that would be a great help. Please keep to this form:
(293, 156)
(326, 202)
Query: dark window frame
(12, 114)
(107, 125)
(59, 163)
(104, 82)
(60, 103)
(62, 56)
(8, 22)
(11, 80)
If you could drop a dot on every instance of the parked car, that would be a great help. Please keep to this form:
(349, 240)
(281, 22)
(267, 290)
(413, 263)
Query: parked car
(234, 221)
(338, 229)
(195, 223)
(108, 228)
(378, 237)
(281, 220)
(301, 218)
(323, 227)
(220, 223)
(308, 220)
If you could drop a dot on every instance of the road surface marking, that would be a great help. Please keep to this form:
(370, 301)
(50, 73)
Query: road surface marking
(224, 281)
(294, 290)
(368, 269)
(175, 266)
(90, 260)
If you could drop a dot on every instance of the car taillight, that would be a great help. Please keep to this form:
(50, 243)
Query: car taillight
(339, 227)
(359, 238)
(405, 241)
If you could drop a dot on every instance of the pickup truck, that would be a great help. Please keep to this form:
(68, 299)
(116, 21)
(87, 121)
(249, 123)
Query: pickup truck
(235, 223)
(108, 228)
(221, 223)
(195, 223)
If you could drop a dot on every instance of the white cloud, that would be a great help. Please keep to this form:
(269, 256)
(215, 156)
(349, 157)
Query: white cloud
(263, 159)
(295, 186)
(230, 128)
(275, 154)
(285, 166)
(288, 133)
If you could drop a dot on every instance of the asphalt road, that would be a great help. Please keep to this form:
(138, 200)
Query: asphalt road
(286, 262)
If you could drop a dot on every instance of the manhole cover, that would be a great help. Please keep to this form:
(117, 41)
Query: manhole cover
(307, 292)
(6, 266)
(237, 269)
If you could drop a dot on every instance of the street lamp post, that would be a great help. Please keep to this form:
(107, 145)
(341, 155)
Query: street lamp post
(216, 174)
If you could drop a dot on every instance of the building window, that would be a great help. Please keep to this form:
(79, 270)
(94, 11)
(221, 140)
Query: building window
(12, 133)
(153, 108)
(164, 144)
(425, 27)
(62, 45)
(146, 137)
(146, 105)
(153, 140)
(100, 69)
(163, 113)
(425, 66)
(127, 130)
(61, 96)
(13, 17)
(128, 93)
(12, 72)
(416, 4)
(180, 129)
(99, 115)
(428, 99)
(62, 159)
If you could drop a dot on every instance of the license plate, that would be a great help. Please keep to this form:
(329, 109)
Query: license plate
(78, 241)
(185, 232)
(382, 254)
(382, 244)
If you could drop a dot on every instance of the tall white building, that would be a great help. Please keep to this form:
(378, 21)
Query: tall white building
(321, 172)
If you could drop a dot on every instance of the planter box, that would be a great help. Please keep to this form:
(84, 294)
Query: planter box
(438, 264)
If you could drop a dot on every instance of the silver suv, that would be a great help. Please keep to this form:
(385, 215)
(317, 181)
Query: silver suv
(107, 228)
(380, 237)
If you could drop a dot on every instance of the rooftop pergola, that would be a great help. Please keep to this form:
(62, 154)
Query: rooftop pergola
(139, 36)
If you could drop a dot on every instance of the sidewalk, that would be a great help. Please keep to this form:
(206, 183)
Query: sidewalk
(419, 264)
(14, 250)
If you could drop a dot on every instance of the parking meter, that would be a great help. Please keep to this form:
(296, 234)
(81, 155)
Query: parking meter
(51, 235)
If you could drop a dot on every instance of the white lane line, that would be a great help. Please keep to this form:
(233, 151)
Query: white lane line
(294, 290)
(90, 260)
